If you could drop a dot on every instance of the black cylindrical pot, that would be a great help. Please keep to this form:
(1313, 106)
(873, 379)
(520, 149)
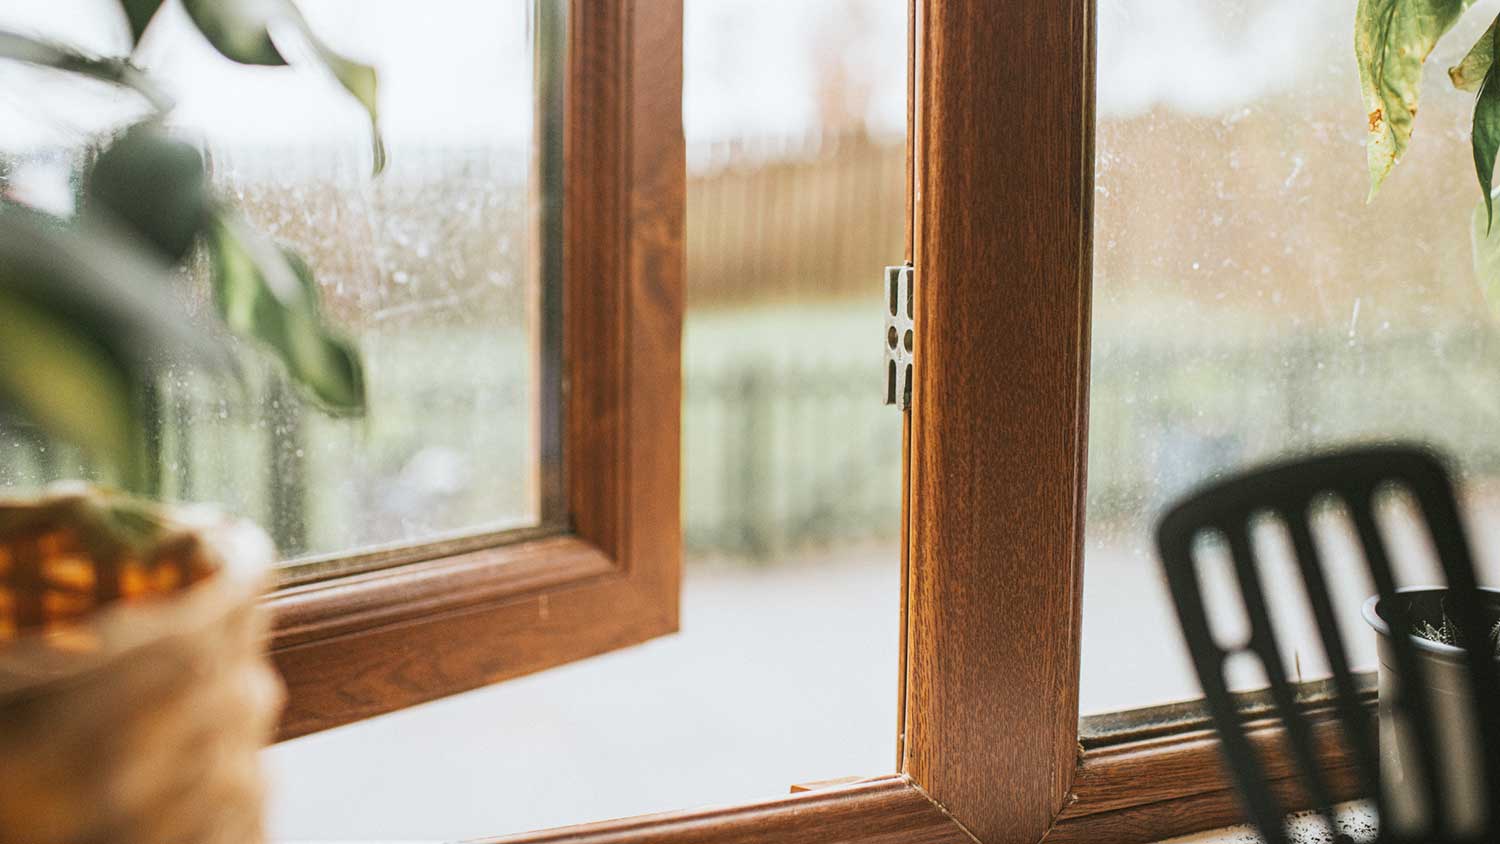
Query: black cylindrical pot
(1445, 685)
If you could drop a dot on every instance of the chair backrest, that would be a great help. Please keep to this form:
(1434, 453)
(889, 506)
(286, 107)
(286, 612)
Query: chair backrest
(1289, 492)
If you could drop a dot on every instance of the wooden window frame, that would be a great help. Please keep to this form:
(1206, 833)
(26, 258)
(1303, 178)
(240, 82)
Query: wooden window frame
(361, 645)
(1001, 157)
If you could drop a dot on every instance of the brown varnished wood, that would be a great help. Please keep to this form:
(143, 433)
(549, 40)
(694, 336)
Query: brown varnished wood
(1002, 153)
(1001, 173)
(346, 678)
(595, 311)
(352, 647)
(651, 340)
(1003, 161)
(1183, 765)
(887, 810)
(1152, 822)
(911, 93)
(904, 636)
(349, 605)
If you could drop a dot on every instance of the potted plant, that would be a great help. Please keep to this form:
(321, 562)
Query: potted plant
(1392, 40)
(1444, 684)
(134, 688)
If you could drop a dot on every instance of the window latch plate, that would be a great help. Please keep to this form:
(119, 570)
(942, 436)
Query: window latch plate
(900, 337)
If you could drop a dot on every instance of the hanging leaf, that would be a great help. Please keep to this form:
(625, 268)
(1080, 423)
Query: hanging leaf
(23, 48)
(239, 29)
(1486, 248)
(67, 382)
(153, 184)
(242, 30)
(85, 325)
(138, 13)
(360, 81)
(1486, 134)
(1469, 73)
(269, 295)
(1392, 39)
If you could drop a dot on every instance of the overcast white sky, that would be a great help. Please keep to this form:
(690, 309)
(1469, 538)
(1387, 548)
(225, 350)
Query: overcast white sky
(462, 67)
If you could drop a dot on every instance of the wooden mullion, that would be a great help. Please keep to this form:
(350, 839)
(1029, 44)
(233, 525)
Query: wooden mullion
(906, 491)
(1002, 129)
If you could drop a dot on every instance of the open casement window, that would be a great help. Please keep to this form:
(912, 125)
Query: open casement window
(599, 569)
(1002, 156)
(513, 281)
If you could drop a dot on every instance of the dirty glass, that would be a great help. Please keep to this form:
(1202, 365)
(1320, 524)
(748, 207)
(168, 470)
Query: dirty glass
(432, 267)
(1249, 304)
(785, 665)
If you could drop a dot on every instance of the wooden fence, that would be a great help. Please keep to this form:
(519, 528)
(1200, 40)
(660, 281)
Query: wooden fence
(793, 220)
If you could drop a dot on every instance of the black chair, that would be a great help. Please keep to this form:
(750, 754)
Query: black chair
(1289, 492)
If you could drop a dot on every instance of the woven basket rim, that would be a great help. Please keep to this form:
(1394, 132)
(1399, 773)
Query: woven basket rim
(244, 557)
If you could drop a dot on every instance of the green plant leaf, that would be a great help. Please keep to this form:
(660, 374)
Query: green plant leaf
(138, 13)
(1392, 39)
(1486, 134)
(67, 382)
(239, 29)
(23, 48)
(1486, 249)
(269, 295)
(1469, 73)
(361, 82)
(153, 184)
(87, 321)
(242, 30)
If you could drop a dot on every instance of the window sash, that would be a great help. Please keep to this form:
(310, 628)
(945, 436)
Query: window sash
(370, 642)
(1001, 157)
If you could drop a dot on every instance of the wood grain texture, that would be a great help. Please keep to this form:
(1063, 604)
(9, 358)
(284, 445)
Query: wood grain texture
(1188, 764)
(1154, 821)
(348, 605)
(346, 678)
(887, 810)
(358, 646)
(906, 492)
(1003, 161)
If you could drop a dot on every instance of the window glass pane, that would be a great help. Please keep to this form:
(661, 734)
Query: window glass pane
(1249, 303)
(786, 666)
(432, 266)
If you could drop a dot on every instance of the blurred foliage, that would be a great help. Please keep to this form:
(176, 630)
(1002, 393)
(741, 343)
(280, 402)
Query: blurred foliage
(90, 319)
(1392, 40)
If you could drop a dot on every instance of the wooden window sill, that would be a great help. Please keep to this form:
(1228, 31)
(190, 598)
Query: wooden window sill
(1356, 819)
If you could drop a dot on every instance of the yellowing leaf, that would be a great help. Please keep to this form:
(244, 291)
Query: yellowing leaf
(1392, 39)
(1469, 73)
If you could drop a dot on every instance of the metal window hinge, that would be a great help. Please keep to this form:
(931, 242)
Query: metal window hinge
(899, 335)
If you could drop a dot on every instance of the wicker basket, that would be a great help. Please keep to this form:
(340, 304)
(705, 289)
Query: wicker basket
(134, 689)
